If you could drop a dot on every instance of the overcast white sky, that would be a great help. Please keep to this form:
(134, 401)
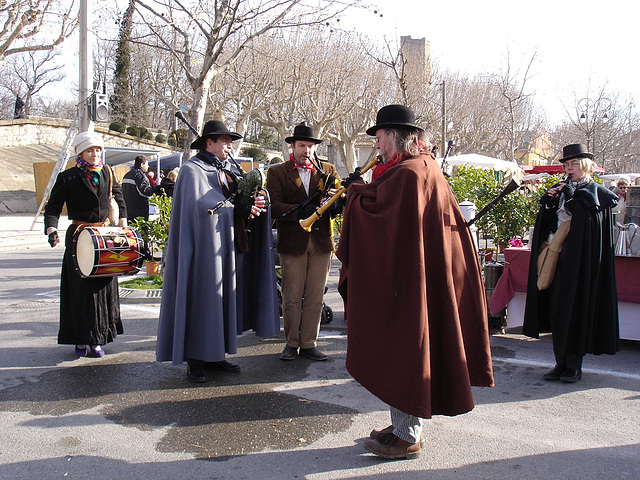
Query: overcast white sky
(577, 42)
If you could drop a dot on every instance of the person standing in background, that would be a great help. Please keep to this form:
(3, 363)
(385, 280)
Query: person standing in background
(578, 304)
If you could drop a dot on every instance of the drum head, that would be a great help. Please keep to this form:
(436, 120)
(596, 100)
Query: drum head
(85, 252)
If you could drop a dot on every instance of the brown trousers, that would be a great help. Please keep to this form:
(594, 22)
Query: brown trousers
(303, 276)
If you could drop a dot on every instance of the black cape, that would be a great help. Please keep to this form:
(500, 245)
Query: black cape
(582, 300)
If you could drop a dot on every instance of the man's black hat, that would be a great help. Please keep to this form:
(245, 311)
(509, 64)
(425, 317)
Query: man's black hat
(576, 150)
(303, 132)
(394, 116)
(213, 128)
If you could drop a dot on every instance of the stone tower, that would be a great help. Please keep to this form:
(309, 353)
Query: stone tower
(416, 53)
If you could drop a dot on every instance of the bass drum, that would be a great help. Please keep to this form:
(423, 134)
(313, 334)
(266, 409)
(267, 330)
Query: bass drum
(107, 251)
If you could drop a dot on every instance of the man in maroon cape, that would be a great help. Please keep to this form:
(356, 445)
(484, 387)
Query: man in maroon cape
(415, 301)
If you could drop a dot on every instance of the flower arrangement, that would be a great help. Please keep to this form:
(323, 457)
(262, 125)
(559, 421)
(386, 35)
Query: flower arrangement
(516, 242)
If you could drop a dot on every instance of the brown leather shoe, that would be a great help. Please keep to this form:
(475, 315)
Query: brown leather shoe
(314, 354)
(375, 434)
(391, 447)
(289, 353)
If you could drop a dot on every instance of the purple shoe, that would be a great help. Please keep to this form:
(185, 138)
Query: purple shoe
(81, 352)
(97, 351)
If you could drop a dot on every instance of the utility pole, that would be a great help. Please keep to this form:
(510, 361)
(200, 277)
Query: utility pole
(443, 147)
(85, 66)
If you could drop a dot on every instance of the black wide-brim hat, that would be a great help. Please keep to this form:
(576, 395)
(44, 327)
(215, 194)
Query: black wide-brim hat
(394, 116)
(213, 128)
(575, 150)
(303, 132)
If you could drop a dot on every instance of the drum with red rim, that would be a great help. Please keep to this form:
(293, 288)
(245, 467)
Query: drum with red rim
(107, 251)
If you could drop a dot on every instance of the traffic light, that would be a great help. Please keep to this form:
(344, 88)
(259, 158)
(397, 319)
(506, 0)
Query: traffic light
(99, 107)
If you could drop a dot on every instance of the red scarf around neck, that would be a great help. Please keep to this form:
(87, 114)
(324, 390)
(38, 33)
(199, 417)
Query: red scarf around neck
(308, 166)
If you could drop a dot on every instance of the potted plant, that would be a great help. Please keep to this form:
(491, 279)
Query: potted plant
(510, 217)
(155, 231)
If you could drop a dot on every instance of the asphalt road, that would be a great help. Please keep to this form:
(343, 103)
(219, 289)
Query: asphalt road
(126, 416)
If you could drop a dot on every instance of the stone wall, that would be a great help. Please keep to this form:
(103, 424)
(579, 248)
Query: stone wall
(53, 131)
(25, 142)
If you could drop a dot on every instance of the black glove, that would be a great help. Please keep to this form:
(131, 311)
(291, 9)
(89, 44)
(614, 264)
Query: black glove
(328, 181)
(53, 239)
(568, 191)
(356, 175)
(306, 211)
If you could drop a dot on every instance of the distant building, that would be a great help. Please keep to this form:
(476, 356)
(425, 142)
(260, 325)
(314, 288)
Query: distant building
(536, 149)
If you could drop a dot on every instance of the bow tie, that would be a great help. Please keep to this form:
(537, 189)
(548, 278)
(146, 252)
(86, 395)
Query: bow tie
(308, 166)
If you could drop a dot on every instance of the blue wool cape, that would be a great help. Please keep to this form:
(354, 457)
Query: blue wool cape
(199, 313)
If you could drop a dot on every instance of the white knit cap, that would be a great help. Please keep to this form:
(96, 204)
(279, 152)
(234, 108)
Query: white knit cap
(86, 140)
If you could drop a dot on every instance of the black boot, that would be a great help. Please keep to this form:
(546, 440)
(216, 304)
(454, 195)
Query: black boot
(555, 374)
(195, 372)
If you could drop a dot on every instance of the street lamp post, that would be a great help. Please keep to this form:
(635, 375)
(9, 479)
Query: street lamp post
(444, 118)
(592, 115)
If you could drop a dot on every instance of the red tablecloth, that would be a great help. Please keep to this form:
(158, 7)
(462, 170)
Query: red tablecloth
(516, 270)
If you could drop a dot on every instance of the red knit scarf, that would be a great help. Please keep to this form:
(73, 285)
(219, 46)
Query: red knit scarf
(383, 167)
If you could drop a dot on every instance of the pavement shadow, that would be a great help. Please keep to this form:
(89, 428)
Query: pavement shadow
(622, 462)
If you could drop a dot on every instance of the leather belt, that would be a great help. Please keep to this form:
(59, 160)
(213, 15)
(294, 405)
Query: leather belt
(87, 224)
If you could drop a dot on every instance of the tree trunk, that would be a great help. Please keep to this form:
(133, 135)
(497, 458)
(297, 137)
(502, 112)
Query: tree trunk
(196, 113)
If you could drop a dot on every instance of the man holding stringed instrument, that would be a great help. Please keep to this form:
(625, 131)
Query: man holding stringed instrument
(414, 297)
(297, 188)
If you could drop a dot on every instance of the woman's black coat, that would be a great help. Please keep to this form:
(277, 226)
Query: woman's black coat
(582, 299)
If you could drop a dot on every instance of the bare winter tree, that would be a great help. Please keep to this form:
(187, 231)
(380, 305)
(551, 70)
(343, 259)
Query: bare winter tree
(205, 29)
(26, 74)
(325, 79)
(361, 84)
(54, 107)
(516, 104)
(474, 111)
(608, 126)
(250, 85)
(35, 25)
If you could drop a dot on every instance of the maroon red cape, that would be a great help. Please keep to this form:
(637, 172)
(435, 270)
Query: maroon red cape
(415, 303)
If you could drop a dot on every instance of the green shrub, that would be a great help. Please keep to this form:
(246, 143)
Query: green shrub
(146, 283)
(258, 154)
(171, 141)
(133, 131)
(511, 216)
(155, 231)
(118, 127)
(160, 138)
(180, 135)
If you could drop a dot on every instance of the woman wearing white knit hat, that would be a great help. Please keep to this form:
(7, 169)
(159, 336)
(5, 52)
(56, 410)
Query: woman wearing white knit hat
(89, 307)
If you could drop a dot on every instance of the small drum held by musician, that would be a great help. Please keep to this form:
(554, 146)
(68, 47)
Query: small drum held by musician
(107, 251)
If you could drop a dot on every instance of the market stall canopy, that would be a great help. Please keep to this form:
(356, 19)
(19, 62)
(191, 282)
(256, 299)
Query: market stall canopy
(169, 162)
(553, 169)
(118, 156)
(616, 176)
(481, 161)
